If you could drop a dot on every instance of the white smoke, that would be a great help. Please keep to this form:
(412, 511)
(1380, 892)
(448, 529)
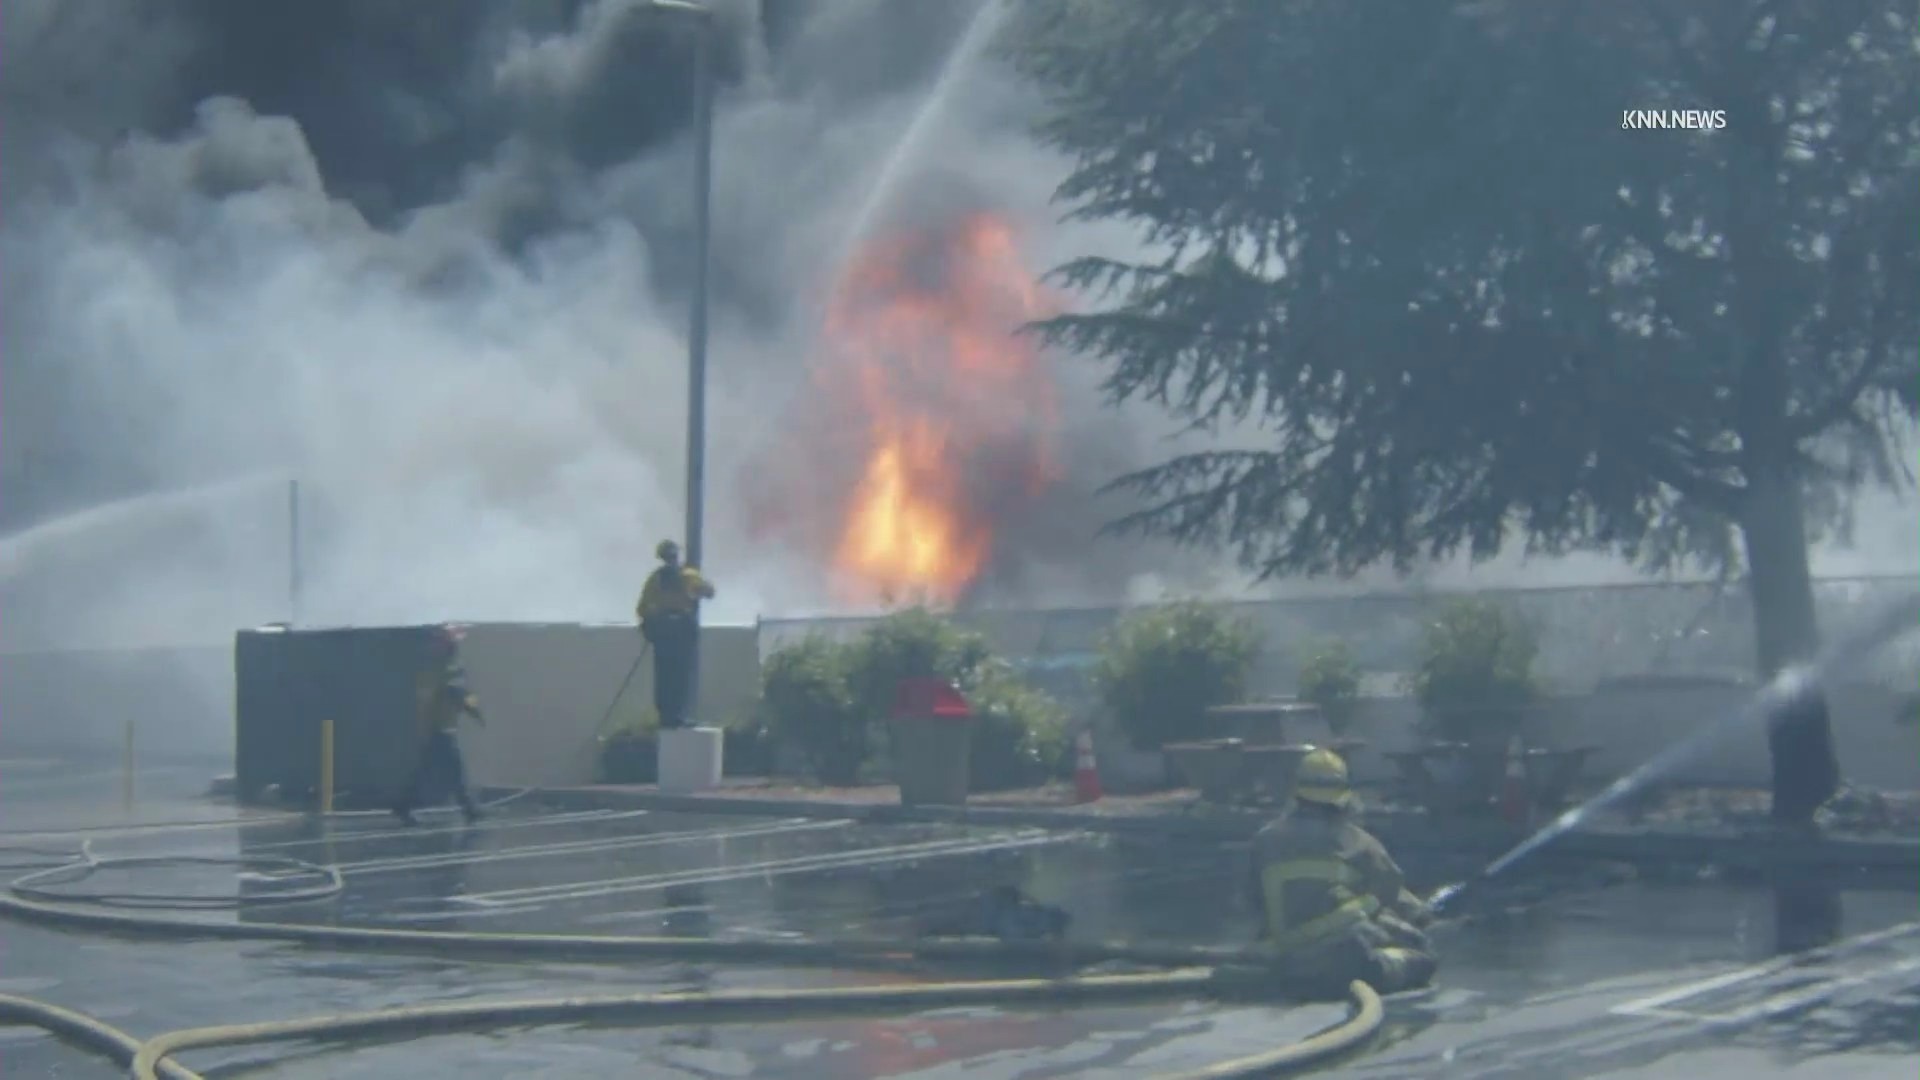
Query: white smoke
(479, 433)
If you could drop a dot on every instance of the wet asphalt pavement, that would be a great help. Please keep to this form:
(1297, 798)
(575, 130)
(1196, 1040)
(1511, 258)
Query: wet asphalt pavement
(1638, 980)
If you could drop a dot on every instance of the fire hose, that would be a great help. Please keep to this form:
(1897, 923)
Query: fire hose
(320, 882)
(39, 898)
(152, 1059)
(68, 911)
(1193, 974)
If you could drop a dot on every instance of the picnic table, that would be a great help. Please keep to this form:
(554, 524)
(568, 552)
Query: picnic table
(1212, 765)
(1263, 722)
(1233, 771)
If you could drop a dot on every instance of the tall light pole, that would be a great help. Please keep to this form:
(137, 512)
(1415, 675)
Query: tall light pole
(702, 245)
(704, 30)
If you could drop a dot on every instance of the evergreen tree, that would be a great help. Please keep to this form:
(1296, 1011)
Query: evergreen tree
(1419, 251)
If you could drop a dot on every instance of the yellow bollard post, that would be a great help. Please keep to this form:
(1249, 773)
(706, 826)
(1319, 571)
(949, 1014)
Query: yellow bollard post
(126, 770)
(326, 766)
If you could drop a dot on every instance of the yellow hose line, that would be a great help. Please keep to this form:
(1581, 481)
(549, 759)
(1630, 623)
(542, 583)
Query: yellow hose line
(673, 1008)
(148, 1060)
(151, 1060)
(610, 948)
(83, 1031)
(1338, 1041)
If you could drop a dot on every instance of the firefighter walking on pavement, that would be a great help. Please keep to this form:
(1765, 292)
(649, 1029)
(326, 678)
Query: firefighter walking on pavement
(669, 612)
(441, 698)
(1334, 904)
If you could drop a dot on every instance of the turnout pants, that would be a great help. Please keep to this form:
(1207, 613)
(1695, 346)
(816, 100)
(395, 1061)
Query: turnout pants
(439, 772)
(673, 639)
(1386, 953)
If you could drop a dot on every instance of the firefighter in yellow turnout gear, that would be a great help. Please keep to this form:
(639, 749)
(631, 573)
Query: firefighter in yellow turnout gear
(669, 612)
(1335, 905)
(441, 697)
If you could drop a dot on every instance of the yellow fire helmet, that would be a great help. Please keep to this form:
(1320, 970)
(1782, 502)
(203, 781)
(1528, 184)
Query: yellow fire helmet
(1322, 778)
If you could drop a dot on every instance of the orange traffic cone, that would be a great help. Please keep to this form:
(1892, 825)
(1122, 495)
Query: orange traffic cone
(1513, 789)
(1086, 774)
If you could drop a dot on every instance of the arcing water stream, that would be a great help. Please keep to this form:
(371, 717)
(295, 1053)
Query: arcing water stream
(895, 168)
(1768, 706)
(20, 550)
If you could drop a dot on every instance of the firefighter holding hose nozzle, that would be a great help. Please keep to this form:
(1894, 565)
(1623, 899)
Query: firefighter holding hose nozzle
(1335, 905)
(669, 612)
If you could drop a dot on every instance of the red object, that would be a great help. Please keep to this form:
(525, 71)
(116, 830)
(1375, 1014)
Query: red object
(1086, 773)
(1513, 789)
(929, 698)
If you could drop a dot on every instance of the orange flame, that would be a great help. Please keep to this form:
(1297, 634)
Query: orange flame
(952, 408)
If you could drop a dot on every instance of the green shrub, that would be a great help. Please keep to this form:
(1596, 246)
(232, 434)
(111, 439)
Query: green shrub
(628, 745)
(631, 721)
(830, 698)
(1476, 672)
(1160, 670)
(1331, 679)
(749, 747)
(806, 700)
(1019, 732)
(914, 643)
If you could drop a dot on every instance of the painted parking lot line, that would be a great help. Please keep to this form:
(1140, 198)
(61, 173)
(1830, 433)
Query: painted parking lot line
(463, 914)
(1639, 1022)
(486, 827)
(1662, 1005)
(601, 919)
(1809, 996)
(861, 857)
(1580, 1025)
(157, 828)
(284, 819)
(606, 917)
(579, 847)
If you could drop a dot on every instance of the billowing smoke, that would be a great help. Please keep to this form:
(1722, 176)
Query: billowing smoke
(448, 299)
(428, 259)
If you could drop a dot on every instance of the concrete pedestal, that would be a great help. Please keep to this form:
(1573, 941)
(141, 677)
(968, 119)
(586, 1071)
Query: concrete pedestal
(690, 759)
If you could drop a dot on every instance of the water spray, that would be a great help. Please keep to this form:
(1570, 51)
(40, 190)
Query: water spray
(1773, 701)
(896, 168)
(19, 551)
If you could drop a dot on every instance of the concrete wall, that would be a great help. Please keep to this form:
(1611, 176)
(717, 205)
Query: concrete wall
(1632, 725)
(1586, 634)
(76, 703)
(547, 686)
(545, 689)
